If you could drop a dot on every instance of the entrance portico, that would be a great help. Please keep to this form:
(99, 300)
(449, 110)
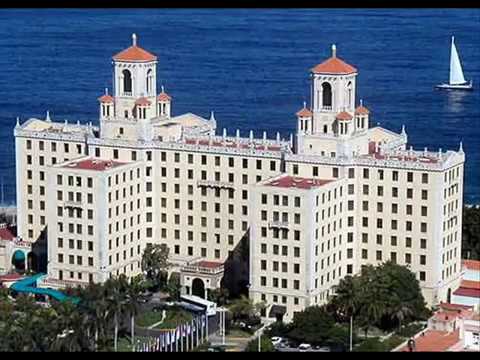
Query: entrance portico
(200, 277)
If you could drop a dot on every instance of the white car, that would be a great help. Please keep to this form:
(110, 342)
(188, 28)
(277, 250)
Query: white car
(304, 347)
(276, 340)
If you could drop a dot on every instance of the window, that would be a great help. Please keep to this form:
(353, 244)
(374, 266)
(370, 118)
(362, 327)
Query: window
(424, 178)
(365, 173)
(409, 176)
(326, 95)
(127, 81)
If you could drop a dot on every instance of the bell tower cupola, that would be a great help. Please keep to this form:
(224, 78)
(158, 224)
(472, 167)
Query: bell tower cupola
(135, 77)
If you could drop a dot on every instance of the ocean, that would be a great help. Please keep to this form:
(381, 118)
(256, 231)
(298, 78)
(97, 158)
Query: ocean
(249, 66)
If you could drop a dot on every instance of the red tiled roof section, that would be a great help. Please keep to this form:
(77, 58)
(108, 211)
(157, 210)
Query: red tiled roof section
(6, 233)
(134, 54)
(362, 110)
(297, 182)
(93, 164)
(434, 340)
(304, 113)
(471, 264)
(209, 264)
(454, 307)
(469, 284)
(344, 116)
(106, 99)
(11, 277)
(143, 101)
(467, 292)
(334, 65)
(164, 97)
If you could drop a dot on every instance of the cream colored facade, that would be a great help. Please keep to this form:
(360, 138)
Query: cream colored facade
(201, 190)
(96, 215)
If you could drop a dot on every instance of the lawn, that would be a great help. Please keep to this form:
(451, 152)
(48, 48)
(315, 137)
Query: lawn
(148, 318)
(174, 318)
(238, 333)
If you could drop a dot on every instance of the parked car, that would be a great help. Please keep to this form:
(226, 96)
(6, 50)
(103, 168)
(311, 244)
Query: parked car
(276, 340)
(305, 347)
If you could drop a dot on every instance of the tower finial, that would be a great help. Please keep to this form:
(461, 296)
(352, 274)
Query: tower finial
(304, 104)
(334, 50)
(18, 122)
(212, 116)
(361, 102)
(134, 39)
(460, 148)
(106, 91)
(453, 39)
(47, 118)
(403, 129)
(163, 89)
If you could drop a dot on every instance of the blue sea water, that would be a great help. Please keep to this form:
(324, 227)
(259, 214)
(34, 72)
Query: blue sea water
(249, 66)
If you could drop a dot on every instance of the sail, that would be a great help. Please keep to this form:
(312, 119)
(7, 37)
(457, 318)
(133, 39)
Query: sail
(456, 72)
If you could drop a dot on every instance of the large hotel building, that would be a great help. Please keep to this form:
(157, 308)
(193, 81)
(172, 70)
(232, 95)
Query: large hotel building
(287, 218)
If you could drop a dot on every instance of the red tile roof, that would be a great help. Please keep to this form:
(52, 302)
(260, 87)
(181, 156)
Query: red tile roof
(297, 182)
(362, 110)
(454, 307)
(209, 264)
(106, 99)
(142, 101)
(134, 54)
(334, 65)
(469, 284)
(471, 264)
(434, 340)
(304, 113)
(93, 164)
(6, 233)
(344, 116)
(10, 277)
(467, 292)
(164, 97)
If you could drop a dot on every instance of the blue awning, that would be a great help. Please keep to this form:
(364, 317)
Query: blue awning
(19, 255)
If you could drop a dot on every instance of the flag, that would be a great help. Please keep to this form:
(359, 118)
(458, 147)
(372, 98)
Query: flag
(158, 344)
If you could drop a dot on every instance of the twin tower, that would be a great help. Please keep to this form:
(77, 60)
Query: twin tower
(135, 88)
(332, 113)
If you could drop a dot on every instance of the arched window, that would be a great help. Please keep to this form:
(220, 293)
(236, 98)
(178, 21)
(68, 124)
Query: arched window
(327, 94)
(325, 129)
(127, 81)
(149, 80)
(349, 93)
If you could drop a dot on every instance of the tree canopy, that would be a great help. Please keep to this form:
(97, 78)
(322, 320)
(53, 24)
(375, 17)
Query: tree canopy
(471, 233)
(155, 262)
(382, 296)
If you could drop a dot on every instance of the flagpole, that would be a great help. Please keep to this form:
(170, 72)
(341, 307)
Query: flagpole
(191, 332)
(196, 326)
(181, 337)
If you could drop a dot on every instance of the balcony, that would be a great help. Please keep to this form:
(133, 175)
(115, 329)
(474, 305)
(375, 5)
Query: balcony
(279, 224)
(328, 108)
(204, 267)
(215, 184)
(72, 203)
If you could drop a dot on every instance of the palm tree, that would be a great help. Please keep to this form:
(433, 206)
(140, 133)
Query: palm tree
(116, 299)
(346, 300)
(134, 296)
(400, 312)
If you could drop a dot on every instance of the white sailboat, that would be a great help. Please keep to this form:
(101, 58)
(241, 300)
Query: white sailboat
(457, 80)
